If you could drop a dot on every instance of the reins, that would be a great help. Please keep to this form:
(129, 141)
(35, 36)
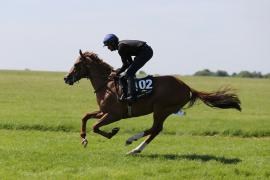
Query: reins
(91, 76)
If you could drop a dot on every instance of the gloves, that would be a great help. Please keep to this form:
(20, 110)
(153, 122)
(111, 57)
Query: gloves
(118, 71)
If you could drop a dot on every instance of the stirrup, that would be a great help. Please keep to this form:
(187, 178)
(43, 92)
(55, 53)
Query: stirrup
(131, 99)
(122, 98)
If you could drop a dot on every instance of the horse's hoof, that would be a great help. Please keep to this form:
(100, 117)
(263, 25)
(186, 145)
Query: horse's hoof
(84, 143)
(134, 152)
(128, 142)
(83, 135)
(115, 130)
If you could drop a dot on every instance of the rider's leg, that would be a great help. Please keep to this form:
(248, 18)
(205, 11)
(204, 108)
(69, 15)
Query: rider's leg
(123, 81)
(131, 89)
(139, 61)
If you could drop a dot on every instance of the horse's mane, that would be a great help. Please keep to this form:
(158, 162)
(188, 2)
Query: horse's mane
(97, 60)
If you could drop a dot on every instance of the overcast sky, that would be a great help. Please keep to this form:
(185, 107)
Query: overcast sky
(186, 35)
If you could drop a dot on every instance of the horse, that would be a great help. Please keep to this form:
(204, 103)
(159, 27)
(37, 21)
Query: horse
(170, 95)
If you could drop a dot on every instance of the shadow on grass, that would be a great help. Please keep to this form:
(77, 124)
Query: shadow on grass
(192, 157)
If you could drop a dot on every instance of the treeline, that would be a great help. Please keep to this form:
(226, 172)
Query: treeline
(222, 73)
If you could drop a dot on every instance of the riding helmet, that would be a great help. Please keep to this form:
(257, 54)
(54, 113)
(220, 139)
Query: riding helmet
(110, 39)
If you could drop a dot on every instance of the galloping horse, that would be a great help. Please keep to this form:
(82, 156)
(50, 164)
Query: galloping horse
(169, 96)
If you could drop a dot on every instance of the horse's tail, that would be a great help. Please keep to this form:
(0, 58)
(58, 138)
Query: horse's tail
(224, 98)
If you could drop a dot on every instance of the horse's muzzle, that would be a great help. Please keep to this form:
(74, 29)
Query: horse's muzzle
(68, 80)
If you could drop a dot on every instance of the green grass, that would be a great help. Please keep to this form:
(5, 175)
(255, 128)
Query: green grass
(34, 154)
(40, 124)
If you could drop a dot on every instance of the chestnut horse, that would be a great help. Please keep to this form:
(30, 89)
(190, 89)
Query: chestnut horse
(169, 96)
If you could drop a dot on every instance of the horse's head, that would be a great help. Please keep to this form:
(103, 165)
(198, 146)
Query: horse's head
(85, 65)
(78, 71)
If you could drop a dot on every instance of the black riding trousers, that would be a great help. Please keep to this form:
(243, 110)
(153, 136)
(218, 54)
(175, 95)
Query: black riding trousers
(139, 61)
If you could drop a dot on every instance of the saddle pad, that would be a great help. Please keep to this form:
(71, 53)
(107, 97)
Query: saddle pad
(144, 85)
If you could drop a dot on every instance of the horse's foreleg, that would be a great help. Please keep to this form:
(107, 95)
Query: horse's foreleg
(105, 120)
(95, 114)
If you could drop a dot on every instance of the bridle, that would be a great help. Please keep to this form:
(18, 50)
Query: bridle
(91, 76)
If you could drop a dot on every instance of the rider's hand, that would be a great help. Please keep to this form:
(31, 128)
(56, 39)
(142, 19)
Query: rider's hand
(118, 71)
(112, 75)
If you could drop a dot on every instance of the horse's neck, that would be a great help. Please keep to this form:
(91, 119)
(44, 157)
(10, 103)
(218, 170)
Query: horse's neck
(99, 79)
(100, 89)
(97, 83)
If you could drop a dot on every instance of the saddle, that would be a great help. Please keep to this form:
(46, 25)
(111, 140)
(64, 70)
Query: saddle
(144, 86)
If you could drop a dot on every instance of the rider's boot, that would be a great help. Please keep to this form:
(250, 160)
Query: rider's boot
(123, 81)
(131, 90)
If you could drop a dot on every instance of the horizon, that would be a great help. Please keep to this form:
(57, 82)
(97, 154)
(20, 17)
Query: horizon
(186, 36)
(193, 74)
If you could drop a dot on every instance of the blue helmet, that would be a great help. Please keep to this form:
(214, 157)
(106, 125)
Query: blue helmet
(110, 39)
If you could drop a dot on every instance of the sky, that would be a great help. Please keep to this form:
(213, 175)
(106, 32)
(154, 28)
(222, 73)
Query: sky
(186, 35)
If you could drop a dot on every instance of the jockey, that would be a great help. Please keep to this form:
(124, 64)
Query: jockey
(127, 49)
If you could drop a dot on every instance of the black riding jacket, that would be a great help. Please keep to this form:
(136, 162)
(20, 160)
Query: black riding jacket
(126, 49)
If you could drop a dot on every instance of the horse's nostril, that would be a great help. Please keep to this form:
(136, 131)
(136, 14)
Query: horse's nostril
(66, 79)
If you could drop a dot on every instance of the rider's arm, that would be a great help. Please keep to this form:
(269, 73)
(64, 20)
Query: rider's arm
(126, 64)
(126, 59)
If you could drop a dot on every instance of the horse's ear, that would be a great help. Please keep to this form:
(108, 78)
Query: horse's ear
(81, 54)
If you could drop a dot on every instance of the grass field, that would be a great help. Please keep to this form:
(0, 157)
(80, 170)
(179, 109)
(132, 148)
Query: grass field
(40, 124)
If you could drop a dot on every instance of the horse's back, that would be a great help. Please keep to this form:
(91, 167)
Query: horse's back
(168, 83)
(170, 88)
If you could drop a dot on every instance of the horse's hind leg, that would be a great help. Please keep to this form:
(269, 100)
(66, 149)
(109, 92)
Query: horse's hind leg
(155, 130)
(87, 116)
(138, 136)
(105, 120)
(160, 114)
